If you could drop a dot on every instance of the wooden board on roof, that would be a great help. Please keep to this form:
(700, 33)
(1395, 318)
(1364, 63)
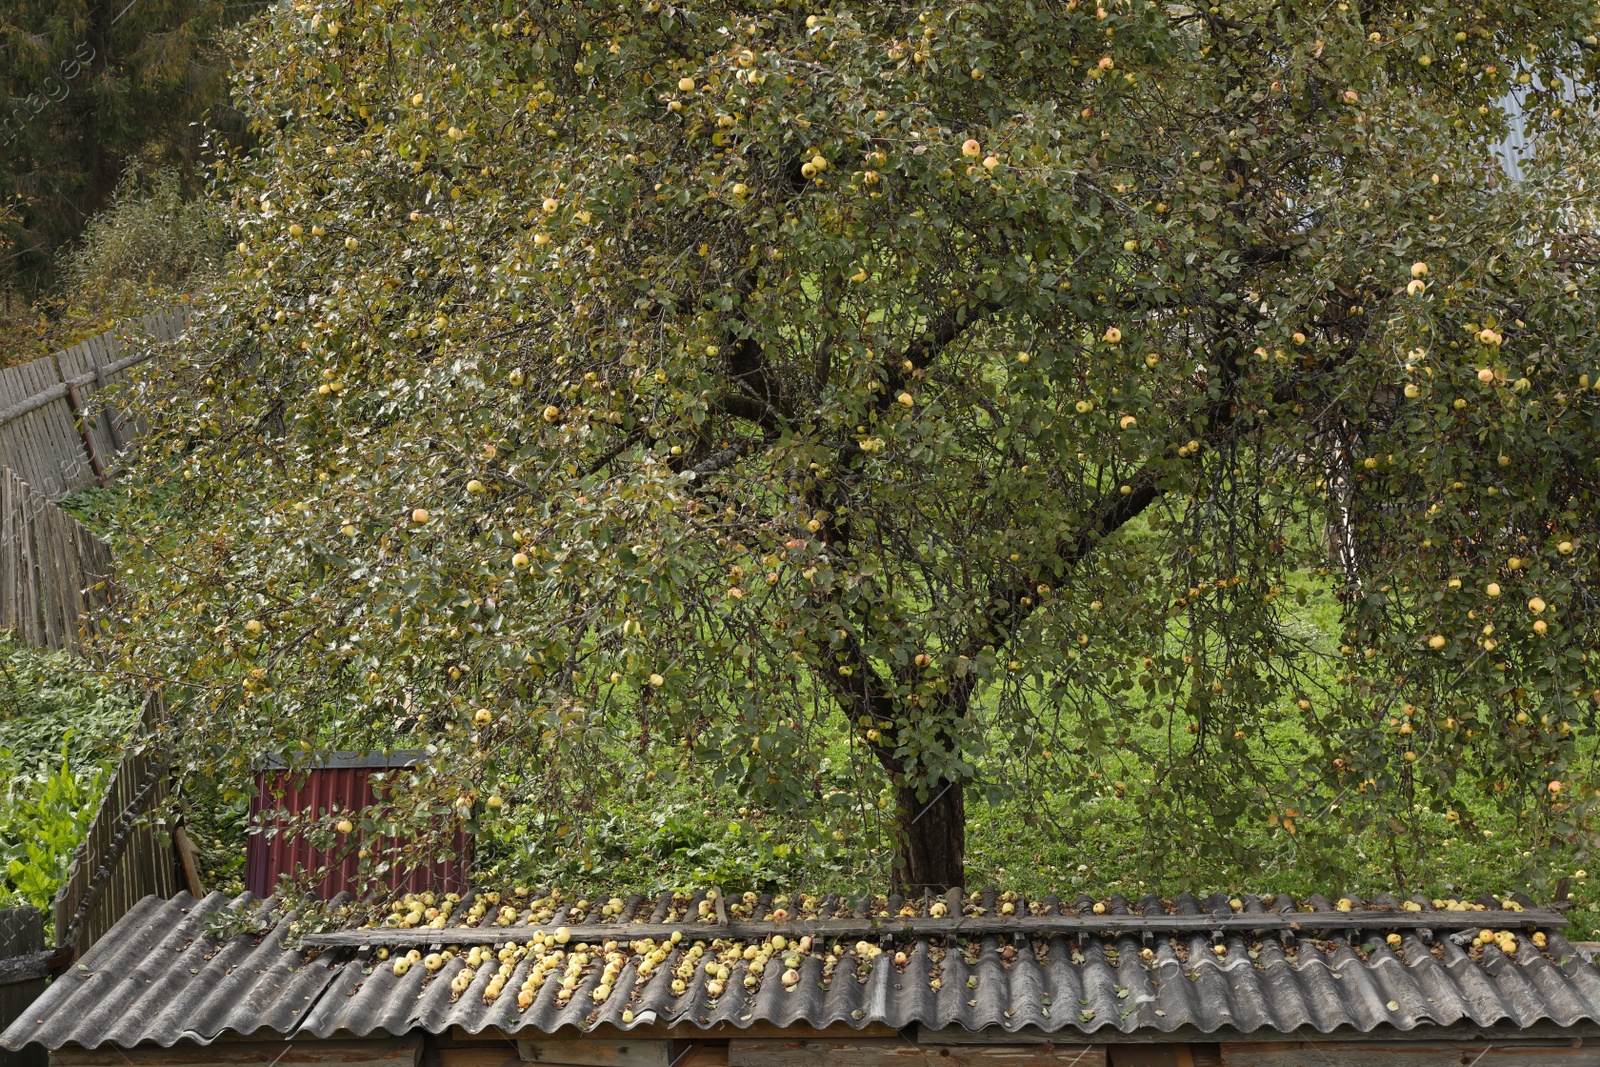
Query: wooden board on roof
(811, 1052)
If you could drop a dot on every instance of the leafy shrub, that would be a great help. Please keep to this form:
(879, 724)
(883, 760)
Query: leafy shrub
(51, 707)
(147, 249)
(61, 729)
(41, 822)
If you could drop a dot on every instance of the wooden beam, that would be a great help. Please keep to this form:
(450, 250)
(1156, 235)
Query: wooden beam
(1027, 1037)
(691, 1054)
(682, 1033)
(190, 860)
(1271, 922)
(1410, 1054)
(27, 967)
(589, 1052)
(384, 1052)
(902, 1053)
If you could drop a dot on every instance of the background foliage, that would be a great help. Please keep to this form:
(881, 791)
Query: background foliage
(90, 87)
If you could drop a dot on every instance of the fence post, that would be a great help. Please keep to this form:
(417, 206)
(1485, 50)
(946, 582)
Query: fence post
(117, 440)
(80, 419)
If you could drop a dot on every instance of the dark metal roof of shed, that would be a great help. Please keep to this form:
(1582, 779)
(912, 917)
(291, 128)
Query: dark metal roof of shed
(157, 979)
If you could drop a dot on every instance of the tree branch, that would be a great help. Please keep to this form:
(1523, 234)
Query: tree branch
(1012, 602)
(921, 353)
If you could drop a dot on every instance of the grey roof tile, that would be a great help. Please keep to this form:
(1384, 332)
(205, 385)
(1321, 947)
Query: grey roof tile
(157, 979)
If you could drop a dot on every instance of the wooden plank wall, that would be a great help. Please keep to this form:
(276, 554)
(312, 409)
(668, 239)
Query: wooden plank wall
(57, 447)
(125, 857)
(21, 934)
(53, 571)
(1378, 1053)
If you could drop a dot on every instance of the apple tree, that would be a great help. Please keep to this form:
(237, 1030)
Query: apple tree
(978, 384)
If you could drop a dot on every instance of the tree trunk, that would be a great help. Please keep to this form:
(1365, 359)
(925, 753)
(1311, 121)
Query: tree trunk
(931, 840)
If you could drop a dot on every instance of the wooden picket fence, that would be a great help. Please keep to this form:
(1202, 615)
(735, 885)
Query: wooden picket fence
(54, 572)
(57, 437)
(124, 858)
(52, 431)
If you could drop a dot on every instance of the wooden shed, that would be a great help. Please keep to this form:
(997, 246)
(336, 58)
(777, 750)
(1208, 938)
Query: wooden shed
(501, 979)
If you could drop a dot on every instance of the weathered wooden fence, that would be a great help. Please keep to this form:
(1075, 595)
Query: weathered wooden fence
(124, 858)
(53, 571)
(52, 431)
(24, 963)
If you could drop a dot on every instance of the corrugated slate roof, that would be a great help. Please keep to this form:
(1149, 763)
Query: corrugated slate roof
(156, 978)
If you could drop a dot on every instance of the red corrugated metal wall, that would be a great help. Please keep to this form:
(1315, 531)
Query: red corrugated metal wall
(323, 790)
